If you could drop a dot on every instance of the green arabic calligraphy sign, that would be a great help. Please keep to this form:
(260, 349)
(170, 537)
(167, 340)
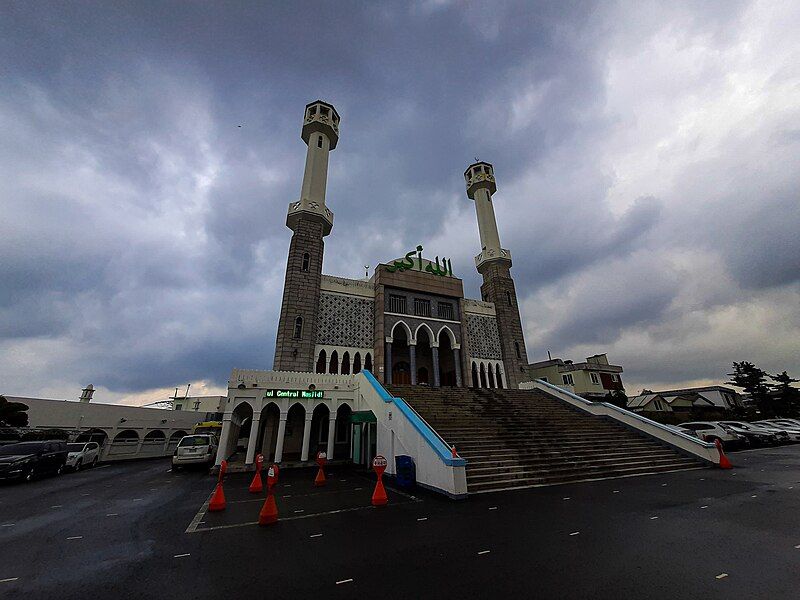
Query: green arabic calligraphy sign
(409, 263)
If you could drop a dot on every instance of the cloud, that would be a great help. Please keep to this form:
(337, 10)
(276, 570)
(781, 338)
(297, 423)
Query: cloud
(646, 158)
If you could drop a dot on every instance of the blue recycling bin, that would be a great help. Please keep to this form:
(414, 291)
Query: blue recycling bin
(405, 472)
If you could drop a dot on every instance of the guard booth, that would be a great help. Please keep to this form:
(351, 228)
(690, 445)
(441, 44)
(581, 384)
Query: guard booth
(365, 437)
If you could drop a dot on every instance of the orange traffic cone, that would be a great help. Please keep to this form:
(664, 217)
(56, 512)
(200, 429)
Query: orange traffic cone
(724, 463)
(379, 497)
(320, 479)
(256, 486)
(269, 511)
(217, 501)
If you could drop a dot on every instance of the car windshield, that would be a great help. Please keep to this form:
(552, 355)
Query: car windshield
(194, 440)
(22, 448)
(74, 447)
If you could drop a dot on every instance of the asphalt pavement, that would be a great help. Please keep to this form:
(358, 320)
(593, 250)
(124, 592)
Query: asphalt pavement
(137, 529)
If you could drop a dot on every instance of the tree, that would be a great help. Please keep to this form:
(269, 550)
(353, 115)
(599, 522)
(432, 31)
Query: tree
(13, 414)
(786, 397)
(617, 398)
(754, 382)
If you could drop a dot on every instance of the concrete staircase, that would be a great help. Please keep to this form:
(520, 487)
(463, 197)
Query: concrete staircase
(522, 438)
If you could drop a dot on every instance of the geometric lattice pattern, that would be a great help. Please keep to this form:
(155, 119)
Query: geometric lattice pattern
(483, 340)
(345, 321)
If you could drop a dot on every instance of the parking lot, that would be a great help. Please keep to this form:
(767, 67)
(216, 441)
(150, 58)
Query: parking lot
(121, 531)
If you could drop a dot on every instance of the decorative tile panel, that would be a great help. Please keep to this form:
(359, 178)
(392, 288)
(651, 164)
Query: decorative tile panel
(482, 336)
(345, 320)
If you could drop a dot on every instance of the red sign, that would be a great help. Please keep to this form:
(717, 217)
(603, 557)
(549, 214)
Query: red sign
(379, 464)
(272, 475)
(322, 458)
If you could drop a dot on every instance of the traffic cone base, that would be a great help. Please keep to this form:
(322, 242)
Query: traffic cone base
(269, 511)
(257, 485)
(379, 497)
(320, 479)
(217, 501)
(724, 463)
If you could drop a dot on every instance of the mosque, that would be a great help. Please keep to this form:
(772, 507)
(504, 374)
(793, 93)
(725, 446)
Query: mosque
(402, 362)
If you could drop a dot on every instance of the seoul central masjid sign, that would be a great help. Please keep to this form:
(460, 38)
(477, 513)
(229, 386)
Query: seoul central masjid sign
(409, 263)
(304, 394)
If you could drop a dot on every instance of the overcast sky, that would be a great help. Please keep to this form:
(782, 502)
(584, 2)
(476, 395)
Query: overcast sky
(647, 158)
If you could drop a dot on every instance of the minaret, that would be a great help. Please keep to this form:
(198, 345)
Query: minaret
(86, 393)
(311, 221)
(494, 264)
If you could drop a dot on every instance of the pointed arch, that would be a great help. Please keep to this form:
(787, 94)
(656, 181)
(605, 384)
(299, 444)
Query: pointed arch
(475, 382)
(405, 326)
(345, 364)
(368, 363)
(483, 376)
(333, 369)
(490, 375)
(429, 331)
(357, 363)
(499, 376)
(449, 333)
(322, 362)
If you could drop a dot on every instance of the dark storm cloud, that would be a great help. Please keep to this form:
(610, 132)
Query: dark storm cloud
(143, 236)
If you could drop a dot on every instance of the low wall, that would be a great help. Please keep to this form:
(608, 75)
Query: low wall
(680, 441)
(401, 431)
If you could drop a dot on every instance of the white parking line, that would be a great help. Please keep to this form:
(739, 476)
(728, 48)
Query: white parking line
(299, 510)
(754, 496)
(566, 498)
(344, 581)
(75, 537)
(8, 579)
(575, 533)
(137, 499)
(182, 555)
(315, 535)
(492, 508)
(484, 552)
(705, 506)
(57, 506)
(615, 492)
(652, 518)
(663, 485)
(721, 576)
(422, 519)
(797, 547)
(112, 515)
(9, 524)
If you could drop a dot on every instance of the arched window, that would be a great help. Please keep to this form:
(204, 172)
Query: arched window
(498, 376)
(346, 363)
(357, 363)
(322, 362)
(306, 261)
(319, 142)
(490, 371)
(508, 298)
(368, 363)
(483, 376)
(516, 347)
(334, 366)
(298, 328)
(475, 382)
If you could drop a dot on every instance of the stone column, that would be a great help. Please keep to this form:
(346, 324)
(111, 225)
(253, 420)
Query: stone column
(331, 434)
(224, 439)
(306, 437)
(457, 361)
(251, 441)
(412, 352)
(435, 353)
(387, 376)
(281, 435)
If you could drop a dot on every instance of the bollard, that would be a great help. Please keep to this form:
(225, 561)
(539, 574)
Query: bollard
(724, 463)
(379, 497)
(256, 486)
(269, 511)
(322, 458)
(217, 501)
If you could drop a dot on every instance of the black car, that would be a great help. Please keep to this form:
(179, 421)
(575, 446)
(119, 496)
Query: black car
(27, 460)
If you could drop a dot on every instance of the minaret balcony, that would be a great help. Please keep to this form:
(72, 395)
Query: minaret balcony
(313, 210)
(492, 254)
(480, 175)
(321, 117)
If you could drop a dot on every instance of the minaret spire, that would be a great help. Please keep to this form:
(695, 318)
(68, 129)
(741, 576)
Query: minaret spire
(310, 221)
(494, 265)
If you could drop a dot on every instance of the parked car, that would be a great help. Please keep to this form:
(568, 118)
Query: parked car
(82, 454)
(28, 460)
(710, 431)
(791, 426)
(197, 449)
(755, 435)
(784, 434)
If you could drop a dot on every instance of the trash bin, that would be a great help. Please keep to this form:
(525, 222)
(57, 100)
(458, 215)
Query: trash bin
(406, 472)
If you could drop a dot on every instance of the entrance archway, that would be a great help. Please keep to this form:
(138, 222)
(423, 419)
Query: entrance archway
(400, 354)
(270, 419)
(447, 363)
(319, 430)
(424, 355)
(293, 438)
(475, 382)
(342, 433)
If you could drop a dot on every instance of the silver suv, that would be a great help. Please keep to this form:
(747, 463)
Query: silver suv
(710, 431)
